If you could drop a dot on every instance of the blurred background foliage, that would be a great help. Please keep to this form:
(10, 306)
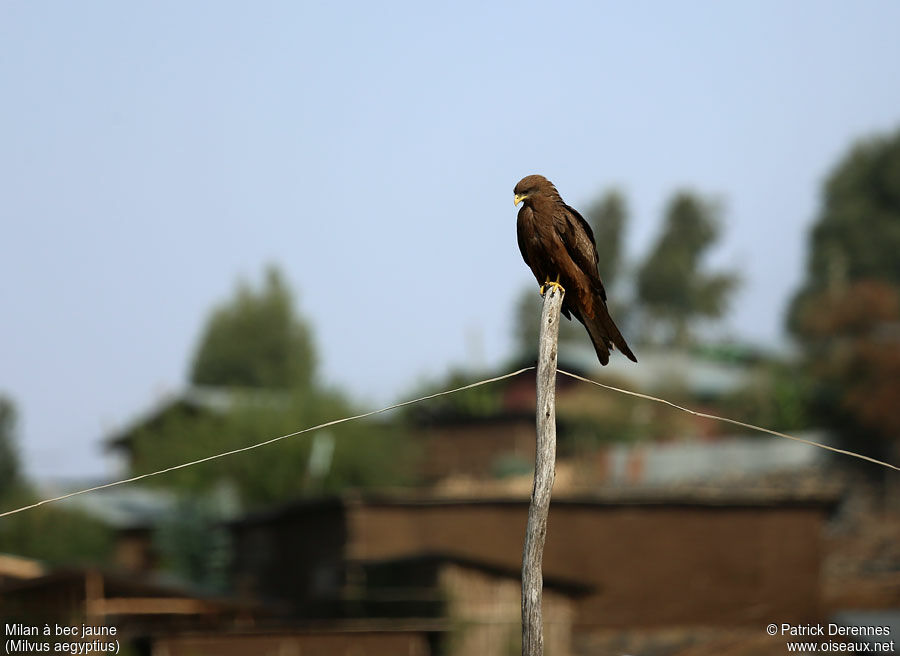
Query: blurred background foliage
(846, 314)
(481, 401)
(256, 340)
(257, 352)
(77, 537)
(673, 289)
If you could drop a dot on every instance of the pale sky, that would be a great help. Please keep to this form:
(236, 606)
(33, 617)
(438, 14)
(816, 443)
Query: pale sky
(153, 153)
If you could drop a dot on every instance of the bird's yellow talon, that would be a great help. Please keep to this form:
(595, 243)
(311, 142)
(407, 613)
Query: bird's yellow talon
(551, 283)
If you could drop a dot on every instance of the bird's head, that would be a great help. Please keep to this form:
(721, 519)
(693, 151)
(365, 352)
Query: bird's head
(532, 186)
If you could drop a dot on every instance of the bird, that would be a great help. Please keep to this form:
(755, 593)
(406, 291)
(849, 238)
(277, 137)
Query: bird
(558, 246)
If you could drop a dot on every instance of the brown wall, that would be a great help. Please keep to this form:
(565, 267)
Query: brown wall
(299, 554)
(473, 449)
(649, 565)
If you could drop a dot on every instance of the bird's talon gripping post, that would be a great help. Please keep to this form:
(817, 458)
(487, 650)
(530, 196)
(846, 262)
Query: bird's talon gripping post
(557, 286)
(551, 283)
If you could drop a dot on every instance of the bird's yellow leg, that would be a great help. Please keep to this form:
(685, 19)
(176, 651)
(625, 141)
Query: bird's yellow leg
(546, 282)
(550, 283)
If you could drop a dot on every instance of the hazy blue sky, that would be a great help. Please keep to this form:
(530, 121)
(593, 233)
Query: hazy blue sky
(152, 153)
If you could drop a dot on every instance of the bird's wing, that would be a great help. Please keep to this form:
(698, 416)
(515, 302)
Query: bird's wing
(578, 238)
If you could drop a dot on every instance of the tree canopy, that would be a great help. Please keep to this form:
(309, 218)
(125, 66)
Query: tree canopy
(10, 475)
(259, 347)
(846, 315)
(856, 235)
(365, 454)
(256, 339)
(77, 537)
(673, 290)
(608, 217)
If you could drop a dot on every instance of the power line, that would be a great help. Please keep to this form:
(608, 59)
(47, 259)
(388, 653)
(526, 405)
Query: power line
(731, 421)
(444, 393)
(265, 443)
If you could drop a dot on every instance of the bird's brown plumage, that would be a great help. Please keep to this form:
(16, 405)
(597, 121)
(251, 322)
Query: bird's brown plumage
(556, 241)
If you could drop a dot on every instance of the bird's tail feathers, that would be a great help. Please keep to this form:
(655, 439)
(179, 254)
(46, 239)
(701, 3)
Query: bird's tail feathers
(613, 331)
(605, 336)
(597, 338)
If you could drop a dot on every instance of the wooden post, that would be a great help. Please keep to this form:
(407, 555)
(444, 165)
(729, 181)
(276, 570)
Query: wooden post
(544, 473)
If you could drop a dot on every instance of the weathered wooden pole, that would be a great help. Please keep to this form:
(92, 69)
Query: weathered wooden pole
(544, 473)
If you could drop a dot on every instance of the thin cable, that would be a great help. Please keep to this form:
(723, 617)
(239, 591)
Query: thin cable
(435, 395)
(732, 421)
(259, 444)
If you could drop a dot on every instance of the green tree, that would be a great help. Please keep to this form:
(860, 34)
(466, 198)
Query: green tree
(10, 476)
(77, 537)
(366, 454)
(258, 344)
(846, 314)
(857, 233)
(256, 340)
(851, 341)
(608, 217)
(53, 534)
(672, 288)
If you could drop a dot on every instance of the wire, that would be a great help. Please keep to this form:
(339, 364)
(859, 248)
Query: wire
(435, 395)
(260, 444)
(732, 421)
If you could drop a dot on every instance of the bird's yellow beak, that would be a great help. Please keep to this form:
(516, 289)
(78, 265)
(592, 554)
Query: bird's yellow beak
(519, 198)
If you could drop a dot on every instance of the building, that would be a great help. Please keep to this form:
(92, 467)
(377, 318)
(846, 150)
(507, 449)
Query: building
(642, 562)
